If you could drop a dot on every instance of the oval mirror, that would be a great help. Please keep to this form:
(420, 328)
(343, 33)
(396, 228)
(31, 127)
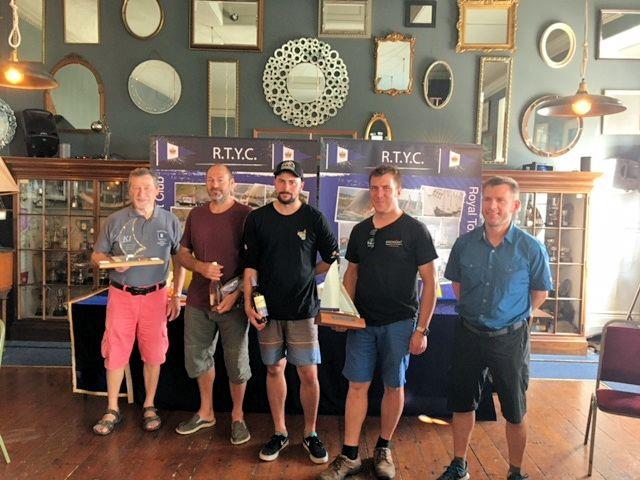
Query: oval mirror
(305, 82)
(142, 18)
(549, 136)
(154, 86)
(79, 99)
(557, 45)
(378, 128)
(437, 85)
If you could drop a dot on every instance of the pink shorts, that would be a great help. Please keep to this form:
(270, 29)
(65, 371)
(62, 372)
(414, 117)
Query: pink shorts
(128, 315)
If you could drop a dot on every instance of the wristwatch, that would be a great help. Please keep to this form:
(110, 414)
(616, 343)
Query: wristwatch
(423, 330)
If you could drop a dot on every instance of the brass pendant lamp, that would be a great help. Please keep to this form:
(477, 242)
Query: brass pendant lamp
(23, 75)
(583, 103)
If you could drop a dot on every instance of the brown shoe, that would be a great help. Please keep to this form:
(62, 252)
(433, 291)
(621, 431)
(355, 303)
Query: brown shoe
(341, 467)
(383, 464)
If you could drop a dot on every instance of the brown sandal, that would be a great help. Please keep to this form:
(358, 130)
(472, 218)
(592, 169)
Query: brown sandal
(109, 425)
(148, 420)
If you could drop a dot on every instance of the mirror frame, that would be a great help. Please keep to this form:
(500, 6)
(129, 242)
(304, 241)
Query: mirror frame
(302, 133)
(510, 6)
(425, 85)
(74, 58)
(366, 33)
(210, 95)
(135, 35)
(480, 106)
(21, 54)
(423, 3)
(213, 46)
(543, 44)
(602, 13)
(64, 25)
(528, 141)
(395, 37)
(378, 117)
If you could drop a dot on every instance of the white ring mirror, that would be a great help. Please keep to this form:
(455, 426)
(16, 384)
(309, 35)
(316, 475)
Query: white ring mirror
(558, 45)
(154, 86)
(437, 85)
(549, 136)
(142, 18)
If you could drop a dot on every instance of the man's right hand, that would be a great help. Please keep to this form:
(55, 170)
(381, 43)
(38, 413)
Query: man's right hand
(210, 270)
(254, 317)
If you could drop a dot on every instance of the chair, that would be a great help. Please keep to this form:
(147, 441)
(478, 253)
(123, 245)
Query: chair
(2, 329)
(619, 362)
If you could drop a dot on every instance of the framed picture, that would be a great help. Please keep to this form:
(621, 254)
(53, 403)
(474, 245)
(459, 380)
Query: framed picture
(627, 122)
(420, 14)
(485, 116)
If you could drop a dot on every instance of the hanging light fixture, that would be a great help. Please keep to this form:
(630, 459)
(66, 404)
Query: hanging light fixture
(582, 104)
(25, 75)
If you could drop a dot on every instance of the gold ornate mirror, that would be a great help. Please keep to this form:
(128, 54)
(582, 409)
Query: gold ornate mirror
(394, 64)
(378, 128)
(487, 25)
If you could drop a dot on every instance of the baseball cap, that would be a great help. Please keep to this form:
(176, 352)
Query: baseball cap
(289, 166)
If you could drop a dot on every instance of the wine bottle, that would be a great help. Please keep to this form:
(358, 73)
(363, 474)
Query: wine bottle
(259, 302)
(215, 292)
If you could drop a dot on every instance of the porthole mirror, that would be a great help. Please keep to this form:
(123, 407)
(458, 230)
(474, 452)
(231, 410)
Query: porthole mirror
(154, 86)
(142, 18)
(437, 85)
(306, 82)
(558, 45)
(79, 99)
(378, 128)
(549, 136)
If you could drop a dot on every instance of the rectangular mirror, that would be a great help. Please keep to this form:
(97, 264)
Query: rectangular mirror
(227, 25)
(344, 18)
(420, 14)
(302, 133)
(493, 105)
(224, 83)
(81, 21)
(619, 35)
(487, 25)
(31, 18)
(394, 64)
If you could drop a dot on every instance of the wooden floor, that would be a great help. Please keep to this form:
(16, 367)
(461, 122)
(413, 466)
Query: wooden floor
(47, 431)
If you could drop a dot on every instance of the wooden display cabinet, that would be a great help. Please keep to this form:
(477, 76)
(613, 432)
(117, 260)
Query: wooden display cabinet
(555, 209)
(58, 212)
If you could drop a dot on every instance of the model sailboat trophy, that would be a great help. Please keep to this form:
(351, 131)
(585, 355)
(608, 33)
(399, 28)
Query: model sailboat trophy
(336, 307)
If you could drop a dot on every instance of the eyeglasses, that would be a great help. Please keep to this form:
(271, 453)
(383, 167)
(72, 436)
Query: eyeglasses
(371, 242)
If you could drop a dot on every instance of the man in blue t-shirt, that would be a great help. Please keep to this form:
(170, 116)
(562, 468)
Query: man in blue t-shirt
(500, 274)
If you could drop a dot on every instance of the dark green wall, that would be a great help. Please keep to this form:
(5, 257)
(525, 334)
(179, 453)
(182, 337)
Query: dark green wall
(409, 115)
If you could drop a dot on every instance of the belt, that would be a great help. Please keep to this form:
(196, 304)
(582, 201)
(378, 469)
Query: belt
(494, 333)
(138, 290)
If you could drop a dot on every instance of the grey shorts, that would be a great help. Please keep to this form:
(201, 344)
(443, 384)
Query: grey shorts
(201, 329)
(295, 340)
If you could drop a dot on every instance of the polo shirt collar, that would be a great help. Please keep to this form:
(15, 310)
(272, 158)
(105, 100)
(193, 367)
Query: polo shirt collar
(509, 237)
(133, 213)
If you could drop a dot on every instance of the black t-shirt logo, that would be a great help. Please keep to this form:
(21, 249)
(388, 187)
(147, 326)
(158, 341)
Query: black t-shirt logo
(302, 234)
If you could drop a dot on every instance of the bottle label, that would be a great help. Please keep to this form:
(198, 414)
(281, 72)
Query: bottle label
(261, 305)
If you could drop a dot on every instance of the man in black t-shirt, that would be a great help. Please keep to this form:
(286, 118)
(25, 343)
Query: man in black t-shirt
(385, 252)
(282, 241)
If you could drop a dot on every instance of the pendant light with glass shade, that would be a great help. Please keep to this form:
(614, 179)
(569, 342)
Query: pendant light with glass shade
(24, 75)
(583, 103)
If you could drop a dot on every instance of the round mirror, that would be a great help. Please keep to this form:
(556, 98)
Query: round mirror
(557, 45)
(305, 82)
(549, 136)
(378, 128)
(154, 86)
(142, 18)
(437, 85)
(79, 98)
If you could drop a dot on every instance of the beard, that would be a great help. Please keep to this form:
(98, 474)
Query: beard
(217, 196)
(286, 198)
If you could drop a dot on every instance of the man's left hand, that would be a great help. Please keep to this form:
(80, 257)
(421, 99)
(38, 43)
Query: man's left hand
(228, 302)
(418, 343)
(173, 308)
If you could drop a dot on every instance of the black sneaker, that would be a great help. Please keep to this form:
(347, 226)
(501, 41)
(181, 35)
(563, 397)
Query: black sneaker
(517, 476)
(317, 452)
(455, 471)
(272, 448)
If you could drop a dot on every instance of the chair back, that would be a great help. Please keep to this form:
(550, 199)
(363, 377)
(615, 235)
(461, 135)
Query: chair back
(620, 353)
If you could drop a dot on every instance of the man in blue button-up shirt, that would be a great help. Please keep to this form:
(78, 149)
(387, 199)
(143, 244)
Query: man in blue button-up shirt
(499, 274)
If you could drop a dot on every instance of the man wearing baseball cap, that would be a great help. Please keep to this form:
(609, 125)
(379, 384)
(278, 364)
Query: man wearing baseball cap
(282, 241)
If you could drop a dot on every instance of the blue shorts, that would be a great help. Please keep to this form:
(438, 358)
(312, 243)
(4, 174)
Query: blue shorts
(388, 342)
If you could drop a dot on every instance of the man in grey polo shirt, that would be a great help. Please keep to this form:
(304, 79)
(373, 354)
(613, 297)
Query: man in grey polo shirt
(138, 304)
